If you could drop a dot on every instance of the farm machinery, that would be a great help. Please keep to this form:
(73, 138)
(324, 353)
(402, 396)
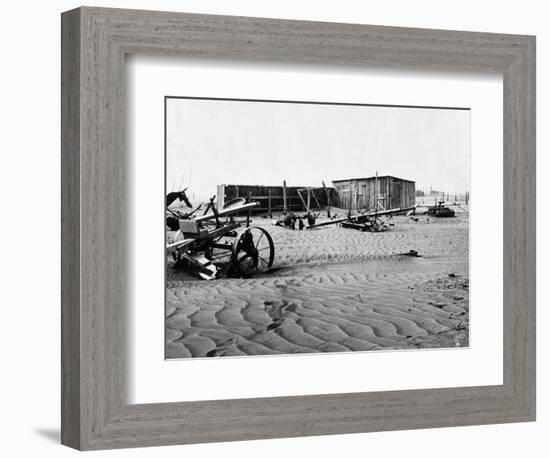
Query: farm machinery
(442, 209)
(216, 244)
(370, 221)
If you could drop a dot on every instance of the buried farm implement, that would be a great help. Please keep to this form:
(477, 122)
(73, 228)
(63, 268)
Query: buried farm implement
(370, 221)
(216, 244)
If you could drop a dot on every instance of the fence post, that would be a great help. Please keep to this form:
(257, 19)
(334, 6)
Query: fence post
(269, 203)
(285, 207)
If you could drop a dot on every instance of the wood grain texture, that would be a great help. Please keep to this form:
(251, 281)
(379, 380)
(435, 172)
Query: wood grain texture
(96, 413)
(70, 223)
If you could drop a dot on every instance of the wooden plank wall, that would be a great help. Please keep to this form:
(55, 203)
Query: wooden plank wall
(361, 194)
(226, 192)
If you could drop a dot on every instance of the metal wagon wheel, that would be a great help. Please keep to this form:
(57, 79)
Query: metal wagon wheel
(253, 252)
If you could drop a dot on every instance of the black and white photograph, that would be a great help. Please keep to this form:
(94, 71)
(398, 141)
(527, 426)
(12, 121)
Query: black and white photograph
(253, 230)
(308, 227)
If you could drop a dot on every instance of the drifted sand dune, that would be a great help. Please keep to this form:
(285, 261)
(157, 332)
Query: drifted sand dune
(332, 289)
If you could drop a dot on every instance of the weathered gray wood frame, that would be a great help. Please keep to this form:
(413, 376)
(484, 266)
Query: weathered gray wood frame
(95, 413)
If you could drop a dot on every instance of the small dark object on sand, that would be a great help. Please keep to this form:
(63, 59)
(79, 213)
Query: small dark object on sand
(412, 253)
(452, 275)
(439, 305)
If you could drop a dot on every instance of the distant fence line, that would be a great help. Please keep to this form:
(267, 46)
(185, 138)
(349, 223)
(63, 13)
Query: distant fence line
(463, 196)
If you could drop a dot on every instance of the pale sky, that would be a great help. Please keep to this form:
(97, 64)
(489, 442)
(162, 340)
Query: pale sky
(211, 142)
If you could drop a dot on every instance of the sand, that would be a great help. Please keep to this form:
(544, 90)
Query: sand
(332, 290)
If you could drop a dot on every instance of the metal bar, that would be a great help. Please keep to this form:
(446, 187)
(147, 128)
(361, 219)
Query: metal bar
(220, 231)
(302, 199)
(362, 216)
(222, 246)
(315, 198)
(249, 210)
(184, 243)
(215, 212)
(228, 211)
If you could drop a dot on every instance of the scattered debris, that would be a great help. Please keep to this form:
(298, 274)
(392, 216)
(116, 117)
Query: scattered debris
(439, 305)
(412, 253)
(290, 219)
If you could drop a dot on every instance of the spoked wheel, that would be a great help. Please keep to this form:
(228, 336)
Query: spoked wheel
(253, 252)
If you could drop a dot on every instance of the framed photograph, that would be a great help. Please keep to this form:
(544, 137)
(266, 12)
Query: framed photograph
(322, 281)
(276, 228)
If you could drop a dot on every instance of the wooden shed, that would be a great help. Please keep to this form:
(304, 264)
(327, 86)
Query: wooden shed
(360, 193)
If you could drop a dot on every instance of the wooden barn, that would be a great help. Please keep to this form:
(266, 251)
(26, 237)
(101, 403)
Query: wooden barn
(360, 193)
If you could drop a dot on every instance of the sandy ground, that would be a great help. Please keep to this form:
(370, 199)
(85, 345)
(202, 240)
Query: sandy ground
(332, 289)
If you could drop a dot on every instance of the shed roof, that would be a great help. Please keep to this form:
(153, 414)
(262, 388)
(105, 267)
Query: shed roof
(373, 178)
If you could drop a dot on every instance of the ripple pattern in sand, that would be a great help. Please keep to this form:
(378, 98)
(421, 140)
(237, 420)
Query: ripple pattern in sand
(332, 290)
(342, 308)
